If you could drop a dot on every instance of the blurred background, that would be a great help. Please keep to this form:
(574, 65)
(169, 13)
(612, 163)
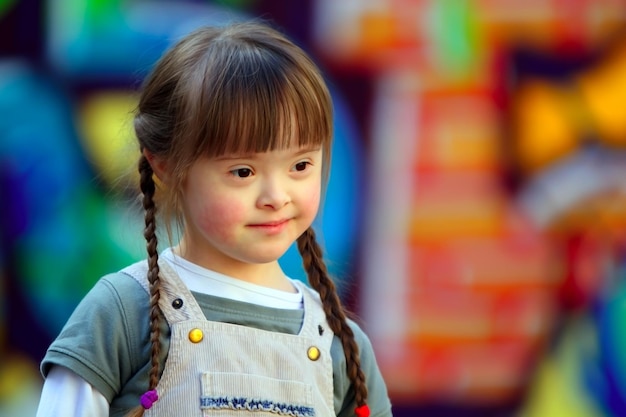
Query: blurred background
(476, 216)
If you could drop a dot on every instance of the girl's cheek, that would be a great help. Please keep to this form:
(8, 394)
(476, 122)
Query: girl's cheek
(311, 202)
(221, 218)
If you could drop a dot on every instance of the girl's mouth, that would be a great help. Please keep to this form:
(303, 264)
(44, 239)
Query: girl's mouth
(272, 227)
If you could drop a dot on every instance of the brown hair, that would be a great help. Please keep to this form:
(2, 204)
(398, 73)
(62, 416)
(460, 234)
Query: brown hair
(238, 88)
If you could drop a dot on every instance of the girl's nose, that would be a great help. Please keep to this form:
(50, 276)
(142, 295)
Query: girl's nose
(273, 195)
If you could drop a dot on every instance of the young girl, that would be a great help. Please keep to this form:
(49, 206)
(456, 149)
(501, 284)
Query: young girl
(234, 126)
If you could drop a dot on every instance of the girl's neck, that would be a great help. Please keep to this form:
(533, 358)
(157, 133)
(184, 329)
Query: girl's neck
(268, 275)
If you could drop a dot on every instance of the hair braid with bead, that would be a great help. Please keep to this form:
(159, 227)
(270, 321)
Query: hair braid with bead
(148, 188)
(319, 279)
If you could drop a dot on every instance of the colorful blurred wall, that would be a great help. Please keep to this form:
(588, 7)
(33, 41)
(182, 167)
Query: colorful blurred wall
(476, 217)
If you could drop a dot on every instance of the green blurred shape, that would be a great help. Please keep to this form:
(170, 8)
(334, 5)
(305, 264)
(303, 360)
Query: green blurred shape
(456, 34)
(5, 5)
(90, 235)
(240, 4)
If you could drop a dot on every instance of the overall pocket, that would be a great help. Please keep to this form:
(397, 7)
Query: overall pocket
(231, 394)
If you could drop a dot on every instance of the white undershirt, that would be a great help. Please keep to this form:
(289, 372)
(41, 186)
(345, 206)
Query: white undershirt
(206, 281)
(66, 394)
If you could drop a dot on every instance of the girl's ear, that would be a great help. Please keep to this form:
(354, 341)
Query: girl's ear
(159, 165)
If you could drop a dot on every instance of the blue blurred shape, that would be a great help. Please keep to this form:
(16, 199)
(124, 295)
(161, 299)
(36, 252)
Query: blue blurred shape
(116, 40)
(57, 223)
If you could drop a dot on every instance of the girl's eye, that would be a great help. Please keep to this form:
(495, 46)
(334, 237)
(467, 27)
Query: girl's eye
(301, 166)
(241, 172)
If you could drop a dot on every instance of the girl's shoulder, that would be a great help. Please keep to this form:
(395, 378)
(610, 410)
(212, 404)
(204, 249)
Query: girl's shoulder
(102, 340)
(115, 292)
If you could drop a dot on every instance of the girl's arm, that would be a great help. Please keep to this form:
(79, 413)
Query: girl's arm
(378, 399)
(66, 394)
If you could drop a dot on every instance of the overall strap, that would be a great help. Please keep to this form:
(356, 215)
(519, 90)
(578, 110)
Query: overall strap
(176, 301)
(314, 324)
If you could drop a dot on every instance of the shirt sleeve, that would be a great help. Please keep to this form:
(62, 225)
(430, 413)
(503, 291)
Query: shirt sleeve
(101, 340)
(66, 394)
(378, 399)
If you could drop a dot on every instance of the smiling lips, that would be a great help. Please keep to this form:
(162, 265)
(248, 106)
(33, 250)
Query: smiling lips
(271, 227)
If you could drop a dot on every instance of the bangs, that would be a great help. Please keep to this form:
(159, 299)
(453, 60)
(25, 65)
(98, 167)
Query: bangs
(249, 99)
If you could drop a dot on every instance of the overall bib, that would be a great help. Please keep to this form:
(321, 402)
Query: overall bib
(228, 370)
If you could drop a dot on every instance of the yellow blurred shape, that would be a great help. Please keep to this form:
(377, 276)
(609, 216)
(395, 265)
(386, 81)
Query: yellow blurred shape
(377, 31)
(106, 127)
(440, 220)
(543, 127)
(470, 142)
(20, 386)
(604, 92)
(557, 389)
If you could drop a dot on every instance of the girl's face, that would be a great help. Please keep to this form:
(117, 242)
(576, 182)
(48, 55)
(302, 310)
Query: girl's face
(248, 209)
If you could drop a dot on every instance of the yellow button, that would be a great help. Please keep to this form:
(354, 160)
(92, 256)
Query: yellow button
(196, 335)
(313, 353)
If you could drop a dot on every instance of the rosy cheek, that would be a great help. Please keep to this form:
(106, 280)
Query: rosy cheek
(220, 218)
(311, 202)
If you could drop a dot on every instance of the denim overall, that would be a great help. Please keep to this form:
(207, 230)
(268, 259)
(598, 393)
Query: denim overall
(228, 370)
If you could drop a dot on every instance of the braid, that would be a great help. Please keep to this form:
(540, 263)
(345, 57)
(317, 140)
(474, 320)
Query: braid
(335, 314)
(148, 188)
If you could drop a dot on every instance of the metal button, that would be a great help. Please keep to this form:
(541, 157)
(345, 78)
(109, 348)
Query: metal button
(196, 335)
(313, 353)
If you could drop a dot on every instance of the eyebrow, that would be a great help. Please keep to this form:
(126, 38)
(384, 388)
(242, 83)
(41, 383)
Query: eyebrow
(307, 149)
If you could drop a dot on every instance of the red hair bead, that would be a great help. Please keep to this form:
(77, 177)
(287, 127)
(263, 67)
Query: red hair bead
(362, 411)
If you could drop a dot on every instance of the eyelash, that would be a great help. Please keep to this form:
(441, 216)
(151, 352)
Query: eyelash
(246, 172)
(304, 164)
(237, 172)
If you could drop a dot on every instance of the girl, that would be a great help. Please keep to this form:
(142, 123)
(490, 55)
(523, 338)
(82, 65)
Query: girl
(234, 127)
